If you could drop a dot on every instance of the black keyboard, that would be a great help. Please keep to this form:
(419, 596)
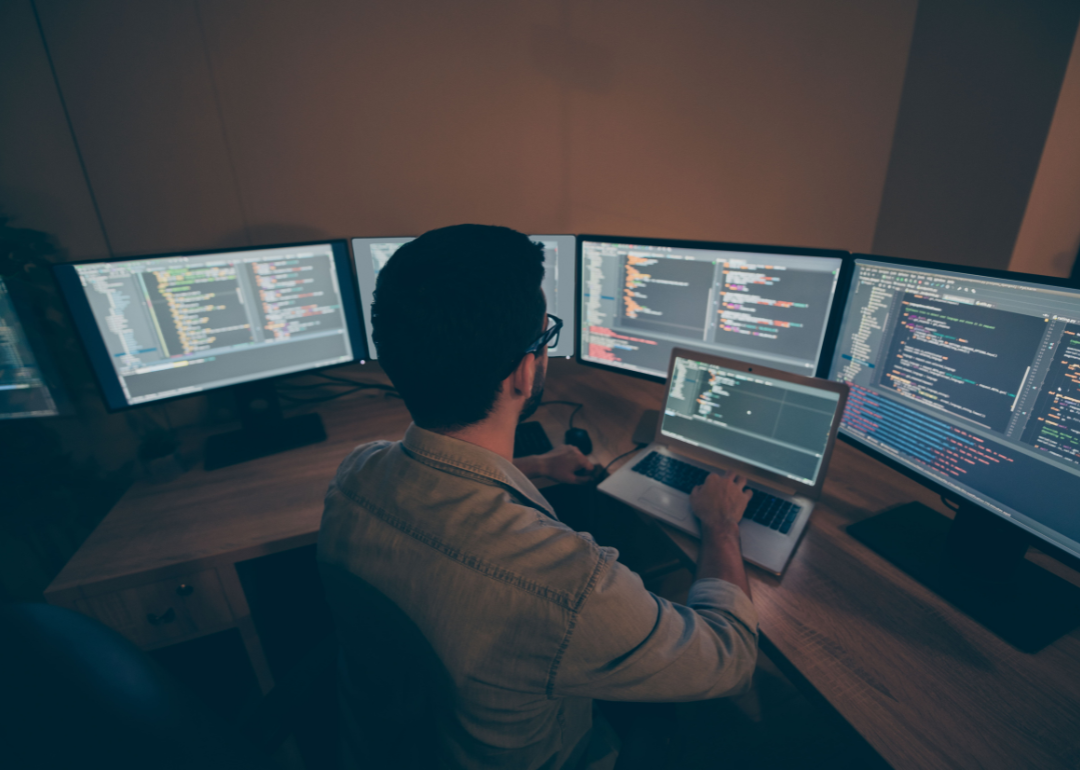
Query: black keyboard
(668, 470)
(767, 510)
(771, 512)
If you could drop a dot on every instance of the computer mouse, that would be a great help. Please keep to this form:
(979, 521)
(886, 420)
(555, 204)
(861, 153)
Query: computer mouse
(579, 437)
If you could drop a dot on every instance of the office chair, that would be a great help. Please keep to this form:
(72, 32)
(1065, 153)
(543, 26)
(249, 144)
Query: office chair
(74, 693)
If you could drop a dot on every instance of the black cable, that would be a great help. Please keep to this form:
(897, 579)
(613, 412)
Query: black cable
(299, 401)
(353, 387)
(577, 408)
(637, 448)
(168, 421)
(347, 381)
(949, 504)
(291, 386)
(336, 382)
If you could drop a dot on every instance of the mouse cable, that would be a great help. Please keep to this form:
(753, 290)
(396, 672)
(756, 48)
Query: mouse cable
(637, 447)
(577, 408)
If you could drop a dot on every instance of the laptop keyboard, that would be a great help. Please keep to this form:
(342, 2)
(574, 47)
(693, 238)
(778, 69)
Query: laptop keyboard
(771, 512)
(767, 510)
(668, 470)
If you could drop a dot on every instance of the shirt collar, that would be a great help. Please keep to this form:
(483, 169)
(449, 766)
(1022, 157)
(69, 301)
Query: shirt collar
(465, 459)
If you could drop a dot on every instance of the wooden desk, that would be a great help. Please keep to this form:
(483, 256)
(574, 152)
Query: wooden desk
(925, 685)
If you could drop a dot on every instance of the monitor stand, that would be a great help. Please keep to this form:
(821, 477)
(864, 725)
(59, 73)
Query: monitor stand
(976, 562)
(265, 431)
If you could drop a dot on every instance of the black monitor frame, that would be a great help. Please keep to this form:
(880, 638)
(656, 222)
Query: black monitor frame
(567, 333)
(832, 327)
(939, 489)
(97, 355)
(265, 430)
(976, 560)
(33, 329)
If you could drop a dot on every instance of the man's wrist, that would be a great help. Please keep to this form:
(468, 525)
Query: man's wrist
(721, 533)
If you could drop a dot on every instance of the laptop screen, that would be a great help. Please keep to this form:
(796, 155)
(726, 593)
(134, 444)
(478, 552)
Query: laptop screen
(772, 424)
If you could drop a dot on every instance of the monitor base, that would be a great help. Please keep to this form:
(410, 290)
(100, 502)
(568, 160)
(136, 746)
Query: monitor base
(225, 449)
(977, 564)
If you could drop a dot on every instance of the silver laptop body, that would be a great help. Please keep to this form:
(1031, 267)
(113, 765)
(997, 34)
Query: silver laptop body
(721, 414)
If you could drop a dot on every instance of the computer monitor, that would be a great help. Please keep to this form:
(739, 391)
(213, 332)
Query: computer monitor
(641, 297)
(372, 253)
(24, 385)
(166, 326)
(968, 381)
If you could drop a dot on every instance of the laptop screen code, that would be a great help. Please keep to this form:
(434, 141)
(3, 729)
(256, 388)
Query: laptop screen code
(775, 425)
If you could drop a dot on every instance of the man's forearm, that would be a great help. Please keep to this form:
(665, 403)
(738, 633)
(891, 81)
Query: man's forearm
(721, 557)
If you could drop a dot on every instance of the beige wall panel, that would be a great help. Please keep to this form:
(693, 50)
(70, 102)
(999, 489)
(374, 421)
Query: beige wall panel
(1049, 236)
(138, 88)
(41, 184)
(758, 121)
(765, 122)
(351, 118)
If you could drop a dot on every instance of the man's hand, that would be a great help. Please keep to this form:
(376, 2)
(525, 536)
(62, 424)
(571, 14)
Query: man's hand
(562, 464)
(720, 503)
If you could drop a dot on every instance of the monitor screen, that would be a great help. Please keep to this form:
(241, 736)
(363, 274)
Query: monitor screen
(640, 299)
(971, 382)
(24, 391)
(167, 326)
(372, 253)
(775, 425)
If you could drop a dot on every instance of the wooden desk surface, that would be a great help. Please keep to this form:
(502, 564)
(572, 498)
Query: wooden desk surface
(228, 515)
(924, 684)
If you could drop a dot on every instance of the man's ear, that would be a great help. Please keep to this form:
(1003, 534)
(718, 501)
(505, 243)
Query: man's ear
(521, 379)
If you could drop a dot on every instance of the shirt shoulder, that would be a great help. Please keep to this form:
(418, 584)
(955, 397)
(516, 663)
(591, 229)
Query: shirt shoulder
(485, 527)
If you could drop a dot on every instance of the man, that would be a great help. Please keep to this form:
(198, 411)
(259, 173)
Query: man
(460, 598)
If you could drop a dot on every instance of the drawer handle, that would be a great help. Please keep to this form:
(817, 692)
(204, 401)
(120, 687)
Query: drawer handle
(168, 616)
(185, 590)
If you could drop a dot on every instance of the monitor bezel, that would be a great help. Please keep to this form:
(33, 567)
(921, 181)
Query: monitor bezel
(93, 345)
(708, 456)
(356, 282)
(30, 318)
(372, 353)
(832, 327)
(946, 494)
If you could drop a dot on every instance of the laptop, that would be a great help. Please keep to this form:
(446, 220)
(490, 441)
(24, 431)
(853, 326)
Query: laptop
(725, 415)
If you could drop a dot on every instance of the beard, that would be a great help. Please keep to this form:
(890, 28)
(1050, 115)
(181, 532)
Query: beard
(533, 402)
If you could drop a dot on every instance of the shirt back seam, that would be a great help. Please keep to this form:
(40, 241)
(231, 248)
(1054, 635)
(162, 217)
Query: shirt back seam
(557, 660)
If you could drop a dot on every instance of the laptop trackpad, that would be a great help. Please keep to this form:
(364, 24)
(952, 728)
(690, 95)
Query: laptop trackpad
(673, 505)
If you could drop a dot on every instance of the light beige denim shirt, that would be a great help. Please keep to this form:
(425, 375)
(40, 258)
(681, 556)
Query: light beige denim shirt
(530, 619)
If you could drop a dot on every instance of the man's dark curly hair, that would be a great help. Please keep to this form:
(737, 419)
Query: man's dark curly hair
(454, 311)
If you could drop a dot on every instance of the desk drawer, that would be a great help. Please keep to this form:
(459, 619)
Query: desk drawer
(157, 614)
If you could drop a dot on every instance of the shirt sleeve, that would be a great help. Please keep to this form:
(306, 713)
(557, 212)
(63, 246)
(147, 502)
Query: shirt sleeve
(626, 643)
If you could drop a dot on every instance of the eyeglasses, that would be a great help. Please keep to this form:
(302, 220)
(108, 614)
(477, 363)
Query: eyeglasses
(550, 337)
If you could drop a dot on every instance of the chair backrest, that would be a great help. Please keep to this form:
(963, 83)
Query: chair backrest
(74, 693)
(392, 687)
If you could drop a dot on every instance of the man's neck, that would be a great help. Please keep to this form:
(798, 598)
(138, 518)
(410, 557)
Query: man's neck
(495, 433)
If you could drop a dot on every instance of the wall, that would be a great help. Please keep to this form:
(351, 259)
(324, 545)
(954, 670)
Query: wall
(1049, 237)
(241, 121)
(41, 181)
(982, 83)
